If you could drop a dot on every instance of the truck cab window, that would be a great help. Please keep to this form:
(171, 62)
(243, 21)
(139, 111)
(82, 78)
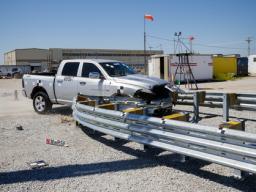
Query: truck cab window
(70, 69)
(88, 68)
(117, 69)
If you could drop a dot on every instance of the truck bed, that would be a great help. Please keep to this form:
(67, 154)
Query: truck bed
(44, 74)
(42, 80)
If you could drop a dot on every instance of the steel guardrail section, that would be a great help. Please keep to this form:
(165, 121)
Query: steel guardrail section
(192, 127)
(246, 101)
(241, 163)
(195, 140)
(167, 146)
(170, 124)
(193, 152)
(159, 122)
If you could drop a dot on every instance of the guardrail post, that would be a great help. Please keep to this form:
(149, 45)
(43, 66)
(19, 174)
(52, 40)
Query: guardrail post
(196, 99)
(183, 158)
(15, 95)
(225, 107)
(116, 139)
(238, 174)
(145, 147)
(148, 148)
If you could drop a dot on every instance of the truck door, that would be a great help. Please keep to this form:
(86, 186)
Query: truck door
(66, 83)
(92, 82)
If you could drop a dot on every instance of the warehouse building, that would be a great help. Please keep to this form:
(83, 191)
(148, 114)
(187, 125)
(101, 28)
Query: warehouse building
(36, 58)
(134, 58)
(50, 58)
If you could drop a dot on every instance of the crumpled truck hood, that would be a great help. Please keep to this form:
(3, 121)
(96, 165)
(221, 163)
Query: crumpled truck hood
(139, 80)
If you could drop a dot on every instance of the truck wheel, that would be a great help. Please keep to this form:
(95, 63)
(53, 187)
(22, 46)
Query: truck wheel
(41, 103)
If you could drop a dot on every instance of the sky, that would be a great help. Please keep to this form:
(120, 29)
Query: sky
(218, 26)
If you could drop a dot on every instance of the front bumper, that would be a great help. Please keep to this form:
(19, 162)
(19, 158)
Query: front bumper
(166, 102)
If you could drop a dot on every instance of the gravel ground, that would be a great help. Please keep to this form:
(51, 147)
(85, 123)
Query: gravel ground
(96, 162)
(239, 85)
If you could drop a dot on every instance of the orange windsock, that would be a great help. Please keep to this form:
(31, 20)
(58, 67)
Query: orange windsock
(148, 17)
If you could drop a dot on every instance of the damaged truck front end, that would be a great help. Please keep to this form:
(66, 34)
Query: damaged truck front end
(158, 92)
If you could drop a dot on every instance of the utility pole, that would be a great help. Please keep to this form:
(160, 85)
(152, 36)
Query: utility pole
(174, 46)
(191, 38)
(177, 34)
(145, 51)
(150, 18)
(150, 48)
(249, 40)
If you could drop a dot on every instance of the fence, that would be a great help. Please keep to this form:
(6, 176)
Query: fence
(15, 94)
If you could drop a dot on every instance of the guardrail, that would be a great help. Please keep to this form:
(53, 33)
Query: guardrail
(235, 149)
(10, 93)
(237, 101)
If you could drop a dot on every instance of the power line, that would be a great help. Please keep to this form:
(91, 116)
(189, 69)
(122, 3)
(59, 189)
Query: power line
(201, 44)
(204, 45)
(161, 38)
(227, 43)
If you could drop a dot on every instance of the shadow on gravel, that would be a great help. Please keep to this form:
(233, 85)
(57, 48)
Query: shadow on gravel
(172, 160)
(143, 160)
(62, 110)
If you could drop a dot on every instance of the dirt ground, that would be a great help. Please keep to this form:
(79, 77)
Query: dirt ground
(98, 163)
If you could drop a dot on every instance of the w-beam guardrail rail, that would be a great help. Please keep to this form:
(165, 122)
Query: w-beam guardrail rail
(232, 148)
(237, 101)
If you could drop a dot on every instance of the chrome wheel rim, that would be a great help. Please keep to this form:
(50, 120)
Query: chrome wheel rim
(40, 103)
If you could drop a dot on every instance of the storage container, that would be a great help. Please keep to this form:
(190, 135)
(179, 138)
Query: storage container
(242, 66)
(252, 64)
(223, 65)
(164, 66)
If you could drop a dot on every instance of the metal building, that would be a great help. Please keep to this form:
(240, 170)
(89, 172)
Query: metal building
(50, 58)
(33, 57)
(134, 58)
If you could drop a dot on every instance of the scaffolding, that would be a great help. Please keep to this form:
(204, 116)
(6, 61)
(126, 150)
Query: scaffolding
(184, 73)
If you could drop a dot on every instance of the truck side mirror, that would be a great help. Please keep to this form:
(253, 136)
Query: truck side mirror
(94, 75)
(102, 77)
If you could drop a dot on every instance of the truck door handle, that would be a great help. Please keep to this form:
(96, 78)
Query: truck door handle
(82, 83)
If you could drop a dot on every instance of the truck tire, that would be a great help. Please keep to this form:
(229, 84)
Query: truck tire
(41, 103)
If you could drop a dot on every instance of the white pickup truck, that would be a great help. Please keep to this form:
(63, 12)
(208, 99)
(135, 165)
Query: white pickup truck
(94, 77)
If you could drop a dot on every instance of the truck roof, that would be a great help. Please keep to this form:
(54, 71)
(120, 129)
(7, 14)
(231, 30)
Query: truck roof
(89, 60)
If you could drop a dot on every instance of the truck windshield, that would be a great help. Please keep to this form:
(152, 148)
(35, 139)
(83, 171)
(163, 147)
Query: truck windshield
(117, 69)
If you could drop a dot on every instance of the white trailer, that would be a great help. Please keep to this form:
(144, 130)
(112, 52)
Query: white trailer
(164, 66)
(252, 64)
